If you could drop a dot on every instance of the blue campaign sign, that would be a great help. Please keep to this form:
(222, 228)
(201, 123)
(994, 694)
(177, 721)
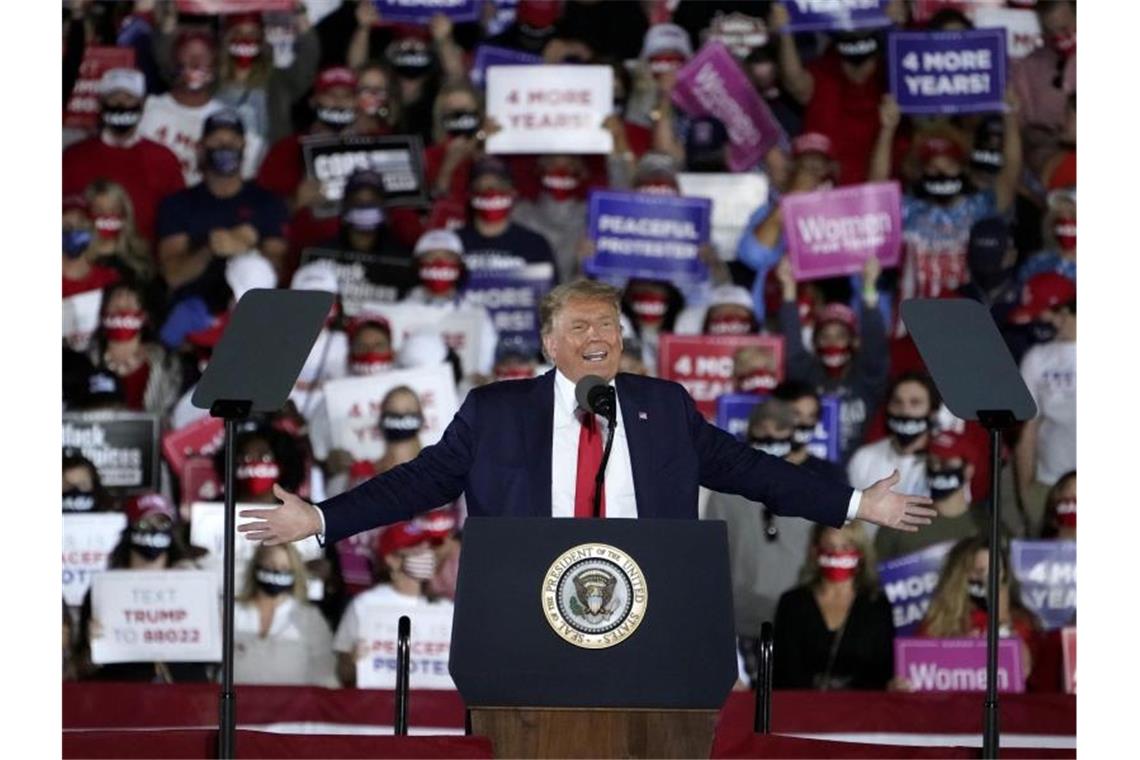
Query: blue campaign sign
(512, 297)
(421, 11)
(948, 72)
(732, 410)
(489, 55)
(826, 15)
(1047, 573)
(645, 235)
(909, 581)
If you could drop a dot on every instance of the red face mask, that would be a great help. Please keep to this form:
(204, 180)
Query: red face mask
(244, 51)
(561, 184)
(759, 381)
(440, 277)
(1065, 44)
(370, 362)
(839, 566)
(1065, 230)
(257, 478)
(492, 206)
(108, 226)
(835, 359)
(666, 62)
(123, 325)
(514, 372)
(658, 188)
(649, 308)
(1067, 513)
(728, 326)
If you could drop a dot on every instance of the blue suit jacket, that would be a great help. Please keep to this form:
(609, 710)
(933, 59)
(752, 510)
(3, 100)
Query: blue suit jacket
(497, 450)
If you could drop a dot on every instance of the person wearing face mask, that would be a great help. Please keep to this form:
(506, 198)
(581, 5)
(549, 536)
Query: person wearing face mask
(992, 260)
(492, 241)
(729, 312)
(1060, 233)
(849, 357)
(911, 404)
(516, 358)
(224, 216)
(279, 636)
(263, 456)
(407, 565)
(328, 358)
(652, 307)
(805, 405)
(459, 131)
(559, 211)
(534, 26)
(176, 119)
(949, 467)
(835, 630)
(665, 49)
(1060, 521)
(1047, 445)
(145, 168)
(82, 487)
(82, 269)
(124, 344)
(116, 240)
(762, 66)
(939, 211)
(1045, 78)
(378, 108)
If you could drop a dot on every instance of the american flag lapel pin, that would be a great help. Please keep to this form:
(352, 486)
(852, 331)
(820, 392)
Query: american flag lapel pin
(643, 415)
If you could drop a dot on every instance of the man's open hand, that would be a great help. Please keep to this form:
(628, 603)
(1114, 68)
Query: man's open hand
(293, 520)
(882, 506)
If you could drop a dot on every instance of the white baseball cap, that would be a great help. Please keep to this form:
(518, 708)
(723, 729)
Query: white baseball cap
(423, 348)
(663, 38)
(724, 295)
(247, 271)
(130, 81)
(316, 275)
(439, 240)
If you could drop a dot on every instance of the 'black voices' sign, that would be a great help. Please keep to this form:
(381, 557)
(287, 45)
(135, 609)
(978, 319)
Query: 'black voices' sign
(331, 159)
(123, 446)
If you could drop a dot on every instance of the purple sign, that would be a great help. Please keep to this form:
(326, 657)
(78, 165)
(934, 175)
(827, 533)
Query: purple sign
(826, 15)
(489, 55)
(421, 11)
(832, 232)
(712, 84)
(948, 72)
(511, 296)
(647, 235)
(957, 664)
(732, 410)
(909, 581)
(1047, 573)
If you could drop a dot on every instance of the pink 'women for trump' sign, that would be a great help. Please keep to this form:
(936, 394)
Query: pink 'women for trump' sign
(832, 232)
(932, 664)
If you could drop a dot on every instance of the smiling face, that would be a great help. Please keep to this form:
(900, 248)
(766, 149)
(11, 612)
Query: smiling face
(585, 339)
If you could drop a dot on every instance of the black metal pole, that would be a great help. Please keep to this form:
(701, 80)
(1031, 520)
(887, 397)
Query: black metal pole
(403, 634)
(228, 699)
(600, 478)
(991, 731)
(762, 721)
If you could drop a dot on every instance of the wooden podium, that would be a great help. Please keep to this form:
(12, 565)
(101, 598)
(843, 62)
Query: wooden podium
(540, 680)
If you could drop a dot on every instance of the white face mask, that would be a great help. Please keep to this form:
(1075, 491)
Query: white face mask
(419, 566)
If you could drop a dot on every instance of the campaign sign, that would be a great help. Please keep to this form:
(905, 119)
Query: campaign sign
(646, 235)
(957, 664)
(421, 11)
(208, 531)
(827, 15)
(832, 232)
(429, 648)
(198, 481)
(156, 616)
(733, 409)
(487, 56)
(81, 319)
(550, 109)
(1069, 658)
(1022, 29)
(201, 438)
(461, 328)
(353, 407)
(738, 32)
(331, 159)
(222, 7)
(703, 363)
(1047, 573)
(948, 72)
(123, 446)
(88, 540)
(82, 110)
(511, 297)
(712, 84)
(361, 276)
(734, 197)
(909, 581)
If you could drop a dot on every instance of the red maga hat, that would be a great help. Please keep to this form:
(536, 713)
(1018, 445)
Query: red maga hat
(1043, 292)
(401, 535)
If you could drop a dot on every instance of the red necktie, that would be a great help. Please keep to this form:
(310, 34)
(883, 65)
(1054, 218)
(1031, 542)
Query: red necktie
(589, 459)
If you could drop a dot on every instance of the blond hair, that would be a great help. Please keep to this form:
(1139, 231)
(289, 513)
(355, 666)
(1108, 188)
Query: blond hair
(300, 590)
(866, 575)
(575, 290)
(133, 249)
(950, 606)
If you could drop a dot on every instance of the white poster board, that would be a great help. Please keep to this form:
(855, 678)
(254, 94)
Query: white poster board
(550, 109)
(88, 540)
(429, 647)
(461, 328)
(156, 616)
(80, 318)
(734, 198)
(353, 407)
(207, 530)
(1022, 29)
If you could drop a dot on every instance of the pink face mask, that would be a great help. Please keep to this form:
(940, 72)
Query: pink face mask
(839, 566)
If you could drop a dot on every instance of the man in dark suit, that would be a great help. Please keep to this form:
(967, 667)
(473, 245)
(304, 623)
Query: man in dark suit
(524, 448)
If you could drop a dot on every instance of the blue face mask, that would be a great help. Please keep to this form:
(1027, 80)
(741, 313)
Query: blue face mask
(75, 242)
(224, 161)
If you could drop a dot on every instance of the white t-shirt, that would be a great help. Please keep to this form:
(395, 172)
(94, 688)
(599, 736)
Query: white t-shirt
(179, 128)
(297, 649)
(876, 461)
(383, 595)
(328, 360)
(488, 335)
(1050, 373)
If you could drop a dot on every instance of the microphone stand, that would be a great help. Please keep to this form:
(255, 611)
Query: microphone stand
(600, 478)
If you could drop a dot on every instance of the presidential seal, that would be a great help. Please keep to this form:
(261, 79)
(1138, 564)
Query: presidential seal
(594, 596)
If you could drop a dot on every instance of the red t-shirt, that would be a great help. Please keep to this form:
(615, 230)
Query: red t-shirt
(283, 167)
(147, 171)
(846, 112)
(98, 278)
(134, 387)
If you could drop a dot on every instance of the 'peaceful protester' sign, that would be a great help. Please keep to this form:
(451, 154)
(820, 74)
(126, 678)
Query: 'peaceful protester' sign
(948, 72)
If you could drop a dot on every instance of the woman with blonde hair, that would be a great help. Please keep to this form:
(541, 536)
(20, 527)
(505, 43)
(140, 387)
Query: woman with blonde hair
(834, 630)
(279, 636)
(116, 241)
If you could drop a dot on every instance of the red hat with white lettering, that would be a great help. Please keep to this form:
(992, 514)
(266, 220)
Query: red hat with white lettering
(140, 507)
(950, 445)
(836, 312)
(812, 142)
(932, 146)
(438, 524)
(1043, 292)
(335, 76)
(401, 535)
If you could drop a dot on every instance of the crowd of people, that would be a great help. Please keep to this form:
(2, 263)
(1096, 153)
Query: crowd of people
(192, 189)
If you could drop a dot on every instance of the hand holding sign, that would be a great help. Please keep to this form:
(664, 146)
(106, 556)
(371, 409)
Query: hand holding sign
(882, 506)
(294, 520)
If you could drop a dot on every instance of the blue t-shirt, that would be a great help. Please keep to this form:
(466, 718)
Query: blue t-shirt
(1046, 261)
(936, 238)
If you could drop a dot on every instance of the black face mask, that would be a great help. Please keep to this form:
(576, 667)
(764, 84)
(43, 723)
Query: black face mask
(400, 427)
(151, 544)
(336, 118)
(977, 593)
(945, 483)
(941, 187)
(855, 50)
(906, 430)
(120, 120)
(986, 161)
(777, 447)
(274, 582)
(224, 161)
(1042, 332)
(461, 123)
(412, 62)
(75, 500)
(802, 435)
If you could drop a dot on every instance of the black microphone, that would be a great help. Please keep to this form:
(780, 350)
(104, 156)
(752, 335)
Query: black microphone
(597, 396)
